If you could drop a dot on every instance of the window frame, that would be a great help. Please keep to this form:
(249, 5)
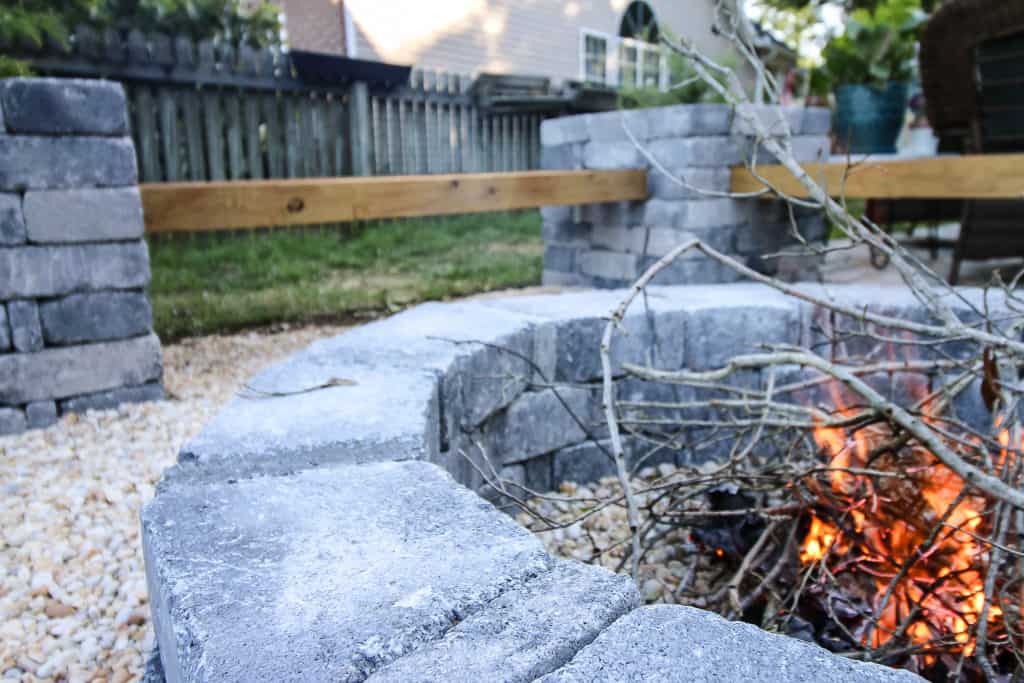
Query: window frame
(613, 46)
(609, 40)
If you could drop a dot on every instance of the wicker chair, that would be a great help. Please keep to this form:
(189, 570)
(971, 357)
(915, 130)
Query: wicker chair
(972, 73)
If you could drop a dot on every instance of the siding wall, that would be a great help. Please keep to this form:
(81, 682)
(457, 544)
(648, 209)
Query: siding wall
(540, 37)
(315, 25)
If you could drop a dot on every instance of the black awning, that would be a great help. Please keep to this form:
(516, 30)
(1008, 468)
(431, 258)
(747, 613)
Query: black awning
(333, 71)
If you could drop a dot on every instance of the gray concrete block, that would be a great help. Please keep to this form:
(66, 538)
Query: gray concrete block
(556, 278)
(564, 130)
(95, 317)
(556, 215)
(612, 155)
(62, 373)
(609, 265)
(5, 330)
(688, 120)
(610, 126)
(39, 163)
(565, 232)
(41, 414)
(30, 272)
(648, 241)
(806, 148)
(541, 422)
(760, 238)
(674, 643)
(562, 157)
(816, 121)
(677, 153)
(560, 257)
(583, 463)
(708, 179)
(64, 106)
(108, 400)
(301, 417)
(90, 215)
(719, 332)
(12, 221)
(778, 120)
(612, 213)
(12, 421)
(580, 319)
(324, 575)
(696, 270)
(692, 214)
(26, 332)
(524, 633)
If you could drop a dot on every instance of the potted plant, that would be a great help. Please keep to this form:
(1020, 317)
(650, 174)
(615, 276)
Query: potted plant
(869, 67)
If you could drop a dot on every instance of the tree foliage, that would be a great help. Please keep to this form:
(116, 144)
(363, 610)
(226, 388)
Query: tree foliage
(34, 23)
(877, 45)
(222, 20)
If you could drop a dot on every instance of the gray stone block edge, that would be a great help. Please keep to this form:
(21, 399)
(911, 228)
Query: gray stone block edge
(300, 517)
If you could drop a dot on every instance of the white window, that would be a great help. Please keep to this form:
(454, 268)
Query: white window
(621, 62)
(595, 58)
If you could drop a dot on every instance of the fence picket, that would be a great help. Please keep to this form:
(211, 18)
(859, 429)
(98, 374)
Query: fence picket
(167, 103)
(201, 111)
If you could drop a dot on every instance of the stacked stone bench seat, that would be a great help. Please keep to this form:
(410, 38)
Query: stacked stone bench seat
(328, 523)
(688, 151)
(76, 330)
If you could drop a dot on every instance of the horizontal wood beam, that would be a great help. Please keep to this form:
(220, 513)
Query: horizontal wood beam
(984, 176)
(196, 207)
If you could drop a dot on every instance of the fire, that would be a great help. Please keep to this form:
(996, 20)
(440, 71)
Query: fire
(872, 526)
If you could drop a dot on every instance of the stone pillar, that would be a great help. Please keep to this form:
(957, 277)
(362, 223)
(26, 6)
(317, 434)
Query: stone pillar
(609, 245)
(76, 329)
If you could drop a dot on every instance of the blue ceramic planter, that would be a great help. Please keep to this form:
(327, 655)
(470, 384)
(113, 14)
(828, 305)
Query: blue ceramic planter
(868, 119)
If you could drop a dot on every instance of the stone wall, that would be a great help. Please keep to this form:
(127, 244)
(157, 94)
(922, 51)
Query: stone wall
(322, 505)
(76, 330)
(610, 245)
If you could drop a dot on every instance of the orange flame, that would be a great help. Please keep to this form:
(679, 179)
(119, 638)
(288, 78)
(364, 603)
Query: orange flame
(876, 525)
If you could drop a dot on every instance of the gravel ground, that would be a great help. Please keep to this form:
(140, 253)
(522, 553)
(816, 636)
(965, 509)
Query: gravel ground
(602, 537)
(73, 603)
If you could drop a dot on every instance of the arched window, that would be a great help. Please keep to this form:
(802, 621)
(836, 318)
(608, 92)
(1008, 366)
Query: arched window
(639, 23)
(640, 57)
(632, 59)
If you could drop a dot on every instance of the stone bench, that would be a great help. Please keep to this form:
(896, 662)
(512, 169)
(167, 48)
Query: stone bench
(324, 525)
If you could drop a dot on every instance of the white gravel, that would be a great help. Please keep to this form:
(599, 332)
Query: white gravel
(602, 537)
(73, 603)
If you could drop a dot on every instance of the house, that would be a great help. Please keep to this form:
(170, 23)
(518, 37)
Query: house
(606, 42)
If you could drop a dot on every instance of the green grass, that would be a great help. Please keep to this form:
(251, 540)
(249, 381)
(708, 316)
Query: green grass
(205, 285)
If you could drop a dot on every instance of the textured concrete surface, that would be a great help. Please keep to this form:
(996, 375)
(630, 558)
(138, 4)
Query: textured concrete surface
(64, 106)
(676, 643)
(70, 371)
(327, 575)
(525, 632)
(89, 215)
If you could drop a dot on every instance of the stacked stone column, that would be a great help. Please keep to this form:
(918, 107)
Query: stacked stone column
(75, 324)
(610, 245)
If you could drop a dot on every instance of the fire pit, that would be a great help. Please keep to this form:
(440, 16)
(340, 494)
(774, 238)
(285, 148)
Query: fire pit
(246, 547)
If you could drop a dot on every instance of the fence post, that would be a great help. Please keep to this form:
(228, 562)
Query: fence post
(359, 133)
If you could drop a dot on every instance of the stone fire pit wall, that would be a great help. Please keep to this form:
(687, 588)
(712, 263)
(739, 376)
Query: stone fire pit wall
(76, 328)
(324, 526)
(609, 245)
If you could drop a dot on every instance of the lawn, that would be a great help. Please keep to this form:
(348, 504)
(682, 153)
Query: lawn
(216, 284)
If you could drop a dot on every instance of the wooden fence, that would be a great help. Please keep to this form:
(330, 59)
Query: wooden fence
(212, 112)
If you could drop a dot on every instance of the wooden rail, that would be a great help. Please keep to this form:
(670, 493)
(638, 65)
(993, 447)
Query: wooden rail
(988, 176)
(196, 207)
